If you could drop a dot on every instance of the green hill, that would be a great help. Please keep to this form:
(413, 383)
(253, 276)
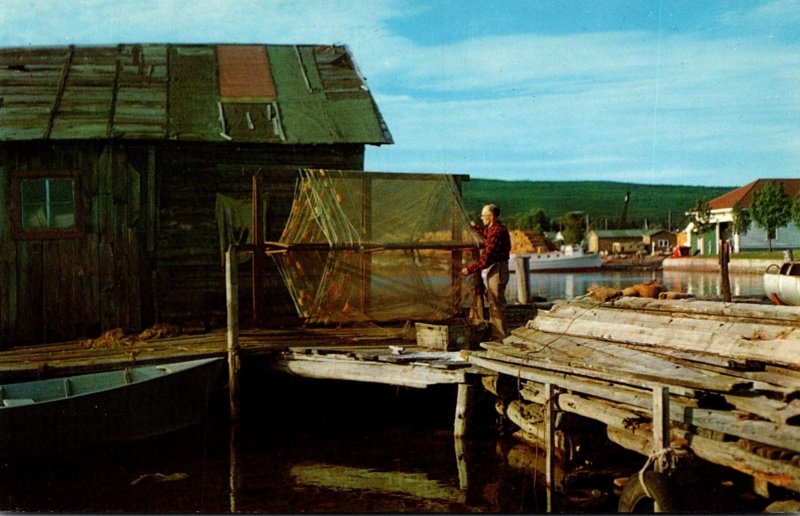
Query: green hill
(602, 201)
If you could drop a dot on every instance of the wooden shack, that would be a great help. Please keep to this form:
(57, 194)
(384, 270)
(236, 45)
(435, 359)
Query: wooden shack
(112, 161)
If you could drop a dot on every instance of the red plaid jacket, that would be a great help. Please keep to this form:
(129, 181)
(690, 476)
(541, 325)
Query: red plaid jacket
(498, 246)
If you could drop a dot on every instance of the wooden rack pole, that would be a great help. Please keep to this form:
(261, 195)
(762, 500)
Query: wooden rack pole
(232, 305)
(258, 243)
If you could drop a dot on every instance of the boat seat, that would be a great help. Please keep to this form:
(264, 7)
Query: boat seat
(17, 402)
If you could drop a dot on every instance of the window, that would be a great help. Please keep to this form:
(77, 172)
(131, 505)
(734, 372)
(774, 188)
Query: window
(663, 243)
(47, 204)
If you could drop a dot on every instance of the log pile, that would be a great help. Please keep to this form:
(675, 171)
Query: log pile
(732, 370)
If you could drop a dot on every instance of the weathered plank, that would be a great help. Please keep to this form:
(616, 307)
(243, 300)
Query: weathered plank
(419, 376)
(789, 315)
(701, 326)
(564, 354)
(776, 348)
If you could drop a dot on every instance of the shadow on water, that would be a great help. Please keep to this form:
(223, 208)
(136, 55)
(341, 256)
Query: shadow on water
(303, 446)
(320, 446)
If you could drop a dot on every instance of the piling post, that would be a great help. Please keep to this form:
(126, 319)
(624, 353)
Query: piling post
(724, 258)
(550, 442)
(464, 401)
(661, 430)
(232, 305)
(523, 290)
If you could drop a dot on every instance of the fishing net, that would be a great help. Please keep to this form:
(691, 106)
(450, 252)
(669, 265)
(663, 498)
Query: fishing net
(377, 247)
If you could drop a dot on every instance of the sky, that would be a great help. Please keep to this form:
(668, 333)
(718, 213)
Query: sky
(692, 92)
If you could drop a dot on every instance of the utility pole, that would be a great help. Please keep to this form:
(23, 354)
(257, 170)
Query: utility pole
(624, 210)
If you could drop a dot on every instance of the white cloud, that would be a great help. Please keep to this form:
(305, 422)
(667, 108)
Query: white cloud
(776, 13)
(616, 105)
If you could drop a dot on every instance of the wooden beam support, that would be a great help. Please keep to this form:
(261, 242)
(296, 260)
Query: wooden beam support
(660, 418)
(62, 84)
(464, 403)
(550, 442)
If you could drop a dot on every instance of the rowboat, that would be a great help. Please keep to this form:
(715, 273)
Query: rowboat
(782, 283)
(62, 414)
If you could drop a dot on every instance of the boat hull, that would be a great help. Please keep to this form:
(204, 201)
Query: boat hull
(158, 400)
(559, 262)
(782, 284)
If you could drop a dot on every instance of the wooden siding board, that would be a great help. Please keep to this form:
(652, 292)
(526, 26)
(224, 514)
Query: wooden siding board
(8, 251)
(30, 302)
(59, 295)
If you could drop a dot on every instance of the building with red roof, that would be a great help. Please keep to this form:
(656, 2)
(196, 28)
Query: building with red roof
(755, 239)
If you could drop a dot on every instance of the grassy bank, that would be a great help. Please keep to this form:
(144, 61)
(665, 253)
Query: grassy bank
(763, 255)
(602, 201)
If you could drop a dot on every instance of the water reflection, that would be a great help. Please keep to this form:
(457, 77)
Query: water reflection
(552, 286)
(348, 478)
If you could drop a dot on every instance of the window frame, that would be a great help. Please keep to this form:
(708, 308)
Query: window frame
(19, 232)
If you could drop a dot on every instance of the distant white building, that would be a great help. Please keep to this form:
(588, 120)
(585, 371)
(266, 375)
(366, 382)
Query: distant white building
(755, 238)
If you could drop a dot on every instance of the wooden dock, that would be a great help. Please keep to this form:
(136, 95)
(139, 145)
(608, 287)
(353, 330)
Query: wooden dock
(371, 354)
(718, 381)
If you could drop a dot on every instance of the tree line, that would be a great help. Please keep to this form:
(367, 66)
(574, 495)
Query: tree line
(771, 209)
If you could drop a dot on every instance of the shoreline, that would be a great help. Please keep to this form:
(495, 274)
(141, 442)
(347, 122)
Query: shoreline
(695, 264)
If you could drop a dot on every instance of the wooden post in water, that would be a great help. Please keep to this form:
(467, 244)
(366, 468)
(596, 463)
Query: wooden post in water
(461, 464)
(521, 267)
(464, 400)
(724, 258)
(232, 304)
(550, 442)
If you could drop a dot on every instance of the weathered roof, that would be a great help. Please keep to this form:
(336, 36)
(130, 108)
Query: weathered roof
(297, 94)
(744, 194)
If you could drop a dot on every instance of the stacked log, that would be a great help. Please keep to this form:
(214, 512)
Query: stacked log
(732, 370)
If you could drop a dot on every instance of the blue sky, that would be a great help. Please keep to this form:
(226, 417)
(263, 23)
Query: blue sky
(698, 92)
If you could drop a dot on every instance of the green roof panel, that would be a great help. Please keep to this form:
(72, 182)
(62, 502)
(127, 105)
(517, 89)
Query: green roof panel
(172, 92)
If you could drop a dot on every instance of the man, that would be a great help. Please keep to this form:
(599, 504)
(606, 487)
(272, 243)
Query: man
(494, 258)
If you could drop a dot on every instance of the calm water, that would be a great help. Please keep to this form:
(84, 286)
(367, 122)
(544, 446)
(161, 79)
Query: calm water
(304, 446)
(552, 286)
(317, 446)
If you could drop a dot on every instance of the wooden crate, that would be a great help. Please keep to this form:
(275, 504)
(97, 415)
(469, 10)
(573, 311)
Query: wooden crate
(443, 337)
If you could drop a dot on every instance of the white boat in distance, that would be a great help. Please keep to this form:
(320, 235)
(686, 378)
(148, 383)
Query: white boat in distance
(569, 258)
